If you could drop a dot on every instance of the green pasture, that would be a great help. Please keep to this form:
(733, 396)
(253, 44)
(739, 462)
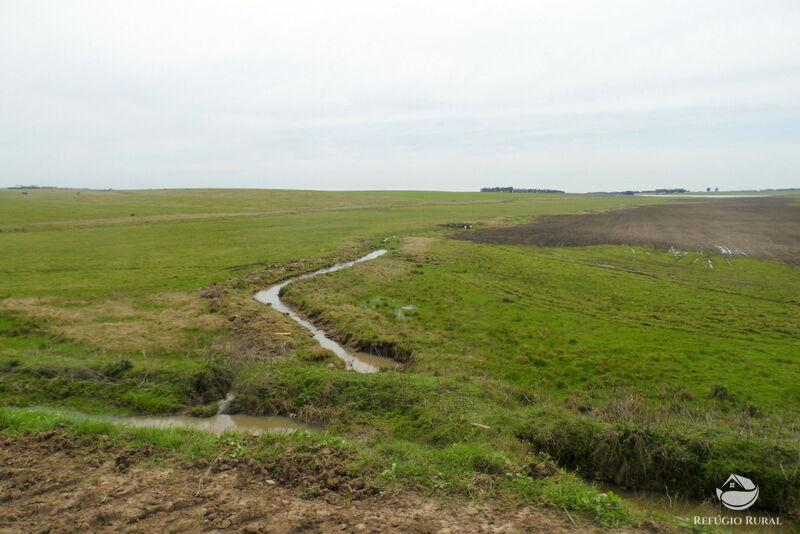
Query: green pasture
(607, 360)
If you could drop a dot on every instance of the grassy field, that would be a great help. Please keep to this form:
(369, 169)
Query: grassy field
(90, 292)
(540, 318)
(628, 364)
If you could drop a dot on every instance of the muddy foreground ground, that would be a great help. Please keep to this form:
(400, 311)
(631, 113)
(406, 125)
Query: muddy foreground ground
(50, 483)
(762, 227)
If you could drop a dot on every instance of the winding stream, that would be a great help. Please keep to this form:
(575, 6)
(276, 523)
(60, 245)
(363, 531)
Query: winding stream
(216, 424)
(222, 422)
(357, 361)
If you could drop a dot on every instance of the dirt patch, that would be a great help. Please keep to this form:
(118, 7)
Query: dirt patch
(766, 227)
(50, 483)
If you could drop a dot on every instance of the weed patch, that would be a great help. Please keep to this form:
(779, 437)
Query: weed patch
(652, 457)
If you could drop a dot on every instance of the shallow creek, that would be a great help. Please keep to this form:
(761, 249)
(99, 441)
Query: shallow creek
(357, 361)
(222, 422)
(216, 424)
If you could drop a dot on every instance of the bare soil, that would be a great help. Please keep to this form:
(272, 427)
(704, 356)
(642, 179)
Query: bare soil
(51, 482)
(765, 227)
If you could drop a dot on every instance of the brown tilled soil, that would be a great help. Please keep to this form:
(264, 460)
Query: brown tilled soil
(765, 227)
(51, 483)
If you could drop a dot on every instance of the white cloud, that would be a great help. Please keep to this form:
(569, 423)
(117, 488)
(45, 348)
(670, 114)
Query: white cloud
(363, 95)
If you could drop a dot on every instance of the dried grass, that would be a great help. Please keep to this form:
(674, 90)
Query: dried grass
(121, 324)
(417, 246)
(626, 407)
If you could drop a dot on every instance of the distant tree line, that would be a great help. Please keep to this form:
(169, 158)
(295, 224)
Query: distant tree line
(515, 190)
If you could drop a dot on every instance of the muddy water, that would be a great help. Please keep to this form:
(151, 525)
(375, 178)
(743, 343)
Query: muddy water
(358, 361)
(219, 423)
(216, 424)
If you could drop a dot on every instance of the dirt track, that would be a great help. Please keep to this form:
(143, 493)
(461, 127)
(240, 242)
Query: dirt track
(49, 483)
(766, 227)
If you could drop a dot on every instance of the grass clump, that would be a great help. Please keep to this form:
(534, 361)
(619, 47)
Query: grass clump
(657, 457)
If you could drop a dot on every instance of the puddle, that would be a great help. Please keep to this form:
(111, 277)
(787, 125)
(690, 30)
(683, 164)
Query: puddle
(357, 361)
(216, 424)
(370, 363)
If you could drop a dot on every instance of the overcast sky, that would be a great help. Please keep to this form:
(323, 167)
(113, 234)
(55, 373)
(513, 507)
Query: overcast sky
(451, 95)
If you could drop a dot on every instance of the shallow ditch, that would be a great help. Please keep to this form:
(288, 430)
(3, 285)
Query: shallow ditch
(676, 505)
(216, 424)
(368, 357)
(361, 361)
